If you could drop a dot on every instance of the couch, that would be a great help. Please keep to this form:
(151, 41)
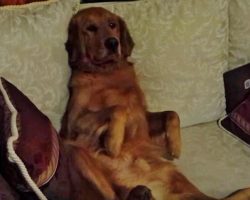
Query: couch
(183, 47)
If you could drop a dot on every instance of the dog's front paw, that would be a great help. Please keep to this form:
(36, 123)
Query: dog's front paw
(140, 192)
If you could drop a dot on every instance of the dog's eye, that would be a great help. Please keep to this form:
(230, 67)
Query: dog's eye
(92, 28)
(112, 25)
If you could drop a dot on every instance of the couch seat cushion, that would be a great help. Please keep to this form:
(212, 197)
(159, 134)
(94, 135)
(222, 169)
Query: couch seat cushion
(214, 160)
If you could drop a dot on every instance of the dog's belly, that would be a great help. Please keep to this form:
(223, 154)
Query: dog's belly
(128, 171)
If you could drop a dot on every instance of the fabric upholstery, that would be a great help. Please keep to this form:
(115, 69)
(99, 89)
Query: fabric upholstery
(214, 160)
(32, 52)
(180, 54)
(239, 43)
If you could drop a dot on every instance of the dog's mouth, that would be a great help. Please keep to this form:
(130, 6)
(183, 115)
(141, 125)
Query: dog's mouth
(104, 61)
(108, 59)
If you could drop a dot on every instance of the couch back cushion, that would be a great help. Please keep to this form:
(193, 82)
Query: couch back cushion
(180, 54)
(32, 52)
(239, 43)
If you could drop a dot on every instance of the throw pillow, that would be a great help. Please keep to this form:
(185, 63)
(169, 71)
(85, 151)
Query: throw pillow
(241, 116)
(28, 142)
(237, 123)
(237, 92)
(237, 86)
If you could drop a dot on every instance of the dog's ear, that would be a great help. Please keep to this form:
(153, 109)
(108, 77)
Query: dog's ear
(72, 36)
(127, 43)
(74, 44)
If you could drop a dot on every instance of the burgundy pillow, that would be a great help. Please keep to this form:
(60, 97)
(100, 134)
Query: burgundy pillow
(29, 149)
(237, 123)
(237, 93)
(241, 116)
(237, 86)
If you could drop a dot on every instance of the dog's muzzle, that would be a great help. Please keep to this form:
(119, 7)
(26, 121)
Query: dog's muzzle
(112, 44)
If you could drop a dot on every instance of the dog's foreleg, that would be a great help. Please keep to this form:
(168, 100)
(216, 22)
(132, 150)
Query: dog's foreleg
(116, 133)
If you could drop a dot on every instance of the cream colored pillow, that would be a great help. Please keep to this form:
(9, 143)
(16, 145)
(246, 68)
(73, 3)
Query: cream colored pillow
(32, 52)
(180, 54)
(239, 43)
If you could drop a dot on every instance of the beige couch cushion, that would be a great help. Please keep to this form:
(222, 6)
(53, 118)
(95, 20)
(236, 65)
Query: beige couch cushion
(180, 54)
(213, 160)
(32, 53)
(239, 43)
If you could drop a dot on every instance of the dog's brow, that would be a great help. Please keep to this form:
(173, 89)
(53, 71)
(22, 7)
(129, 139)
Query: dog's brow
(111, 18)
(93, 18)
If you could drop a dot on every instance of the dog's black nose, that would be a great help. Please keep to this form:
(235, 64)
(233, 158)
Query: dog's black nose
(112, 44)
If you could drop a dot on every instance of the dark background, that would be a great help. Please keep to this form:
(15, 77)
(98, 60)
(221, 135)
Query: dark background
(93, 1)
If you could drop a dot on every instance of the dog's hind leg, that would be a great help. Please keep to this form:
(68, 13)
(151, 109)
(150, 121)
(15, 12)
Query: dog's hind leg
(243, 194)
(88, 170)
(187, 191)
(164, 129)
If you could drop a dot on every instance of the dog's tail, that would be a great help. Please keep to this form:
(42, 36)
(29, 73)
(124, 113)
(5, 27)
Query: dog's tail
(243, 194)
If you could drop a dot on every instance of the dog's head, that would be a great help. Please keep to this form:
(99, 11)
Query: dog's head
(96, 38)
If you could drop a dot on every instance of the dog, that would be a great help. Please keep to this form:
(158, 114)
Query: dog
(116, 146)
(104, 89)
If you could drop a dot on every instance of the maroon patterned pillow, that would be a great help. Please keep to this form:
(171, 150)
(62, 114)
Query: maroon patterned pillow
(237, 93)
(237, 86)
(241, 116)
(29, 148)
(237, 122)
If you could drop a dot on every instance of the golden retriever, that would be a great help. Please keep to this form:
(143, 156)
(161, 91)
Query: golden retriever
(115, 145)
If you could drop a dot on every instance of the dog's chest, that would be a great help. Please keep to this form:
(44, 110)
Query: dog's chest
(113, 90)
